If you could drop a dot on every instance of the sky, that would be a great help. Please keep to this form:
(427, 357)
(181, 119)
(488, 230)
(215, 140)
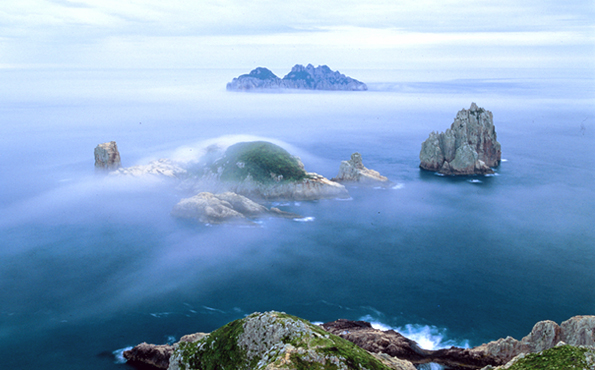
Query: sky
(348, 34)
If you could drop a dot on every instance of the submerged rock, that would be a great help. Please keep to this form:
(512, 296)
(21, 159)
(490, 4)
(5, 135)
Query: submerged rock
(107, 156)
(468, 147)
(354, 171)
(271, 340)
(161, 167)
(300, 77)
(225, 207)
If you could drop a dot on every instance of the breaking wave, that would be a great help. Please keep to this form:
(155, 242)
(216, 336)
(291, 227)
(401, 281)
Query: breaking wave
(119, 355)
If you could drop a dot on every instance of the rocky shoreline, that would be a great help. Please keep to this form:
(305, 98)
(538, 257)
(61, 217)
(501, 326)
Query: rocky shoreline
(275, 340)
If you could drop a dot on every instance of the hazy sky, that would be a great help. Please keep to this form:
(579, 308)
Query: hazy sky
(432, 34)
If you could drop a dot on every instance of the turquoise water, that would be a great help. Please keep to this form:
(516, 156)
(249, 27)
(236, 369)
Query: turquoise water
(91, 265)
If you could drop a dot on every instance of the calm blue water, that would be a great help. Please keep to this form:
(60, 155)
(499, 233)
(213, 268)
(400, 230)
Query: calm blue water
(89, 265)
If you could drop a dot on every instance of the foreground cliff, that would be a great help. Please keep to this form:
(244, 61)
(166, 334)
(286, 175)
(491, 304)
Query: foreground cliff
(270, 340)
(276, 340)
(468, 147)
(300, 77)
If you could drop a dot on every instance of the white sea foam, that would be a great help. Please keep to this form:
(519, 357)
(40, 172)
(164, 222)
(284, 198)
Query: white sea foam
(304, 219)
(474, 181)
(344, 199)
(119, 355)
(428, 337)
(504, 160)
(492, 174)
(439, 174)
(398, 186)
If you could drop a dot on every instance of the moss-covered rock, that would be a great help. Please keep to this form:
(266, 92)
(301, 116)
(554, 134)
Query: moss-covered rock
(562, 357)
(260, 161)
(272, 340)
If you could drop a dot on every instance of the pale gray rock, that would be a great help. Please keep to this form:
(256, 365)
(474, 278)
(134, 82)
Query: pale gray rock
(354, 171)
(107, 156)
(468, 147)
(161, 167)
(225, 207)
(578, 330)
(300, 77)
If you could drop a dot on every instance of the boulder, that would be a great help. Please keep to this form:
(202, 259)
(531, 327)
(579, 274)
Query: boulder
(354, 171)
(468, 147)
(300, 77)
(225, 207)
(271, 340)
(107, 156)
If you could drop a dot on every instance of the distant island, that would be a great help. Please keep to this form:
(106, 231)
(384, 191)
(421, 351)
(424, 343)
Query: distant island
(300, 77)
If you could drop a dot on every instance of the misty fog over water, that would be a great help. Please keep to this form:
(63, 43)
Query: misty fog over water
(92, 264)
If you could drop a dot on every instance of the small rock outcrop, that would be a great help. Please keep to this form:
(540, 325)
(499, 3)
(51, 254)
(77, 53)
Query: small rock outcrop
(271, 340)
(107, 156)
(576, 331)
(354, 171)
(468, 147)
(225, 207)
(157, 355)
(300, 77)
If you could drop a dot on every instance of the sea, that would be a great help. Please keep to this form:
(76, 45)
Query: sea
(91, 265)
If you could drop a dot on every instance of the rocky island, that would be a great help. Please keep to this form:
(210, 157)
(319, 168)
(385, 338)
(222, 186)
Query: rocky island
(275, 340)
(300, 77)
(263, 170)
(468, 147)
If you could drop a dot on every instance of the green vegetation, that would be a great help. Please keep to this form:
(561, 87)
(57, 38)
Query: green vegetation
(562, 358)
(263, 161)
(219, 350)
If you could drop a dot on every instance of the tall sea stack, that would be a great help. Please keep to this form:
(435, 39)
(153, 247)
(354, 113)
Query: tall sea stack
(468, 147)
